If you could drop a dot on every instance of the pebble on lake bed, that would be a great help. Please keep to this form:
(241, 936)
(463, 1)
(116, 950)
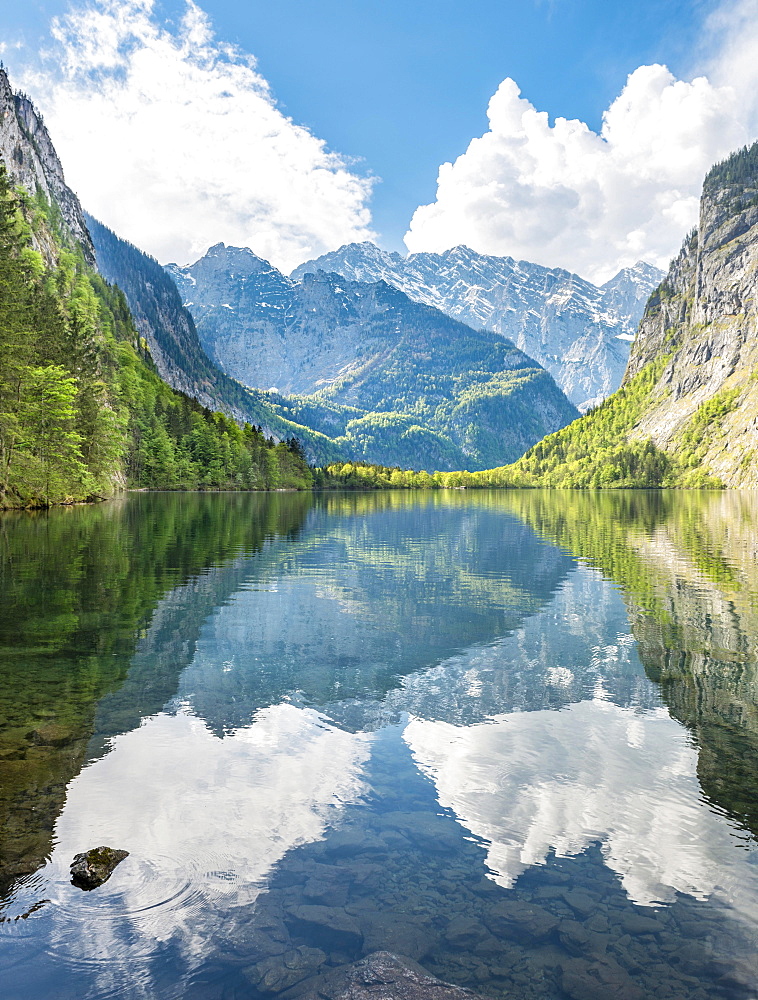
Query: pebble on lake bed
(91, 869)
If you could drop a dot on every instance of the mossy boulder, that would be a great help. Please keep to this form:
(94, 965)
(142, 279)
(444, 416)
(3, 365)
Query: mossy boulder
(91, 869)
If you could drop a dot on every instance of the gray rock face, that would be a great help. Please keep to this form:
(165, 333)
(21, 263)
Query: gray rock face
(93, 867)
(704, 319)
(580, 333)
(267, 330)
(381, 976)
(169, 330)
(29, 157)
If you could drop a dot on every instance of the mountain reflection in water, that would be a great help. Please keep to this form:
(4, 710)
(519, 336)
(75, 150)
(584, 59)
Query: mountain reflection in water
(512, 735)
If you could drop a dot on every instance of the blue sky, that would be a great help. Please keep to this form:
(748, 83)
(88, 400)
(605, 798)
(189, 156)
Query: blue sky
(404, 85)
(399, 88)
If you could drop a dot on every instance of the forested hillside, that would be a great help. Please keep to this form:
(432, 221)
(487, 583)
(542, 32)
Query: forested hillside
(168, 327)
(82, 410)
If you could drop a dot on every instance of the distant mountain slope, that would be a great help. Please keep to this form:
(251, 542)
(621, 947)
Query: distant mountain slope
(580, 333)
(687, 411)
(163, 321)
(168, 328)
(397, 363)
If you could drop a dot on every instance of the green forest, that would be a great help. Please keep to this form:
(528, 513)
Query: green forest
(83, 413)
(593, 452)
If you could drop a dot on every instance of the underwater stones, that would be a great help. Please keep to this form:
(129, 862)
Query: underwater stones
(690, 958)
(52, 734)
(524, 921)
(260, 940)
(395, 840)
(348, 843)
(601, 979)
(580, 901)
(574, 937)
(330, 927)
(464, 932)
(273, 975)
(434, 834)
(366, 874)
(548, 892)
(387, 931)
(598, 923)
(383, 975)
(93, 867)
(327, 892)
(636, 924)
(486, 887)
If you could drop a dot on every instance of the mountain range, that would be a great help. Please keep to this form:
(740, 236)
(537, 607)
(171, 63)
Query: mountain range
(579, 332)
(364, 355)
(352, 369)
(390, 379)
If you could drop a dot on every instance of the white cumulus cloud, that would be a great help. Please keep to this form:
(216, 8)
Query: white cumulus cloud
(563, 195)
(175, 140)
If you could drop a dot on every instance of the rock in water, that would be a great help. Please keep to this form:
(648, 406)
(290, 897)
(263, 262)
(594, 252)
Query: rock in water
(91, 869)
(378, 977)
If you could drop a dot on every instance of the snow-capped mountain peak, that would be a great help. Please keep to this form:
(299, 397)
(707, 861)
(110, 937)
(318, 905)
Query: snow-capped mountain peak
(580, 332)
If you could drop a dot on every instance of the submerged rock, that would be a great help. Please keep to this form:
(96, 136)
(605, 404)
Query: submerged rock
(91, 869)
(278, 973)
(379, 976)
(522, 921)
(329, 927)
(52, 734)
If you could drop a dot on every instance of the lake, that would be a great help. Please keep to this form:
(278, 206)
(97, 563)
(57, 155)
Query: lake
(511, 735)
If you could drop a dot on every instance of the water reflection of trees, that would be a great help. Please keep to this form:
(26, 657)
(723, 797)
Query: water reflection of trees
(687, 564)
(80, 587)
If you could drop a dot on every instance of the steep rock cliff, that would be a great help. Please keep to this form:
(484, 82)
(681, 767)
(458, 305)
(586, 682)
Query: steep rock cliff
(30, 158)
(686, 413)
(704, 316)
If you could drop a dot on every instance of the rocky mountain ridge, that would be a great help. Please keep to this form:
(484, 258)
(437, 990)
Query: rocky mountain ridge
(371, 348)
(30, 158)
(169, 328)
(704, 321)
(576, 330)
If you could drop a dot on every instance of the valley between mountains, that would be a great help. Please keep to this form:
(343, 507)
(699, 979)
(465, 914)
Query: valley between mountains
(362, 361)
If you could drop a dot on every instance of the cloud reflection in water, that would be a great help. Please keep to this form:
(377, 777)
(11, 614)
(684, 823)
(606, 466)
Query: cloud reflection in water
(531, 782)
(205, 821)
